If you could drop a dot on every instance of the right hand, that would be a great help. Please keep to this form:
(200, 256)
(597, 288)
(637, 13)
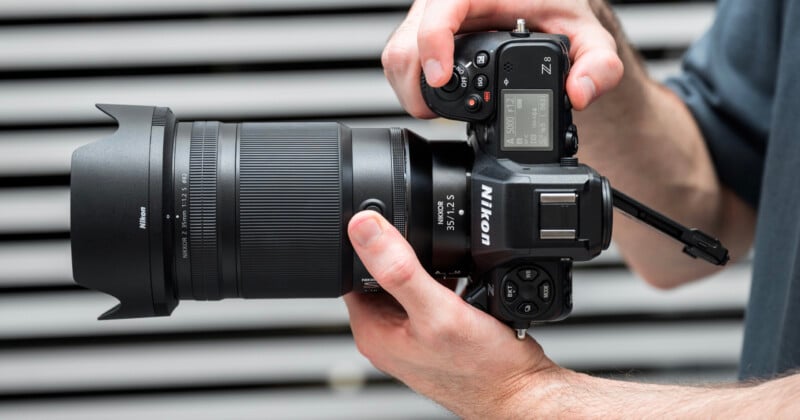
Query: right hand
(425, 41)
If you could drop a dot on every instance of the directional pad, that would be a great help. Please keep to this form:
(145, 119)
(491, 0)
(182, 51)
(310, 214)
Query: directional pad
(527, 290)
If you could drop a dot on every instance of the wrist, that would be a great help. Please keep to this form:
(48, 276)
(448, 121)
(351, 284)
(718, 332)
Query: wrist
(539, 394)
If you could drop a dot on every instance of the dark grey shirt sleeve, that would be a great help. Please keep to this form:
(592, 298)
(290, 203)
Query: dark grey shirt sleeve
(728, 83)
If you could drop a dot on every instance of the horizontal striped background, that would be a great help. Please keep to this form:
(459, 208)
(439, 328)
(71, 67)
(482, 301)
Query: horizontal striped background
(265, 60)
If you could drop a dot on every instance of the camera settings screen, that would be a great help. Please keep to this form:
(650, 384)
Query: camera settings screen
(527, 119)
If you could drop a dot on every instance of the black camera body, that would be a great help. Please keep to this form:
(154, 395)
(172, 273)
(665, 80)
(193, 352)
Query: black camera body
(535, 210)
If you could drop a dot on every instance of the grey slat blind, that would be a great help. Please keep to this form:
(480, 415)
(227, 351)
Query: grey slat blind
(265, 60)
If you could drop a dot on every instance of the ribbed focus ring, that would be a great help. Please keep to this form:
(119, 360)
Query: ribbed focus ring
(290, 205)
(399, 181)
(203, 207)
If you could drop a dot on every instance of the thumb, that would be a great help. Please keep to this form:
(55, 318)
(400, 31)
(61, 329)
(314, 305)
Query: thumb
(393, 264)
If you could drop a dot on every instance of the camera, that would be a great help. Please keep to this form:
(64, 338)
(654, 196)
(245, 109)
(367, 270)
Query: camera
(165, 210)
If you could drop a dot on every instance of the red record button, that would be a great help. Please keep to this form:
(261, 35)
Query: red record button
(473, 103)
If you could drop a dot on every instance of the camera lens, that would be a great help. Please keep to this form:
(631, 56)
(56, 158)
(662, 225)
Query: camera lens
(166, 210)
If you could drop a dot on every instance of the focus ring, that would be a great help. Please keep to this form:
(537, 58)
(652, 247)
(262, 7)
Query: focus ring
(290, 206)
(203, 208)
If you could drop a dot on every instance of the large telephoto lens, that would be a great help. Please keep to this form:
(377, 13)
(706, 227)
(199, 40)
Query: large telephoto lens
(165, 210)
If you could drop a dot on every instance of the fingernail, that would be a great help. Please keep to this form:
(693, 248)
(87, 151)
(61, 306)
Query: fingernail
(366, 232)
(433, 69)
(589, 90)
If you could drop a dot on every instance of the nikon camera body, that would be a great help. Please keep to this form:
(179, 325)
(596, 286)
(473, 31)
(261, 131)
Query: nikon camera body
(535, 210)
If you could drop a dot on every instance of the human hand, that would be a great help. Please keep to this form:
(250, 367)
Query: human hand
(425, 40)
(428, 337)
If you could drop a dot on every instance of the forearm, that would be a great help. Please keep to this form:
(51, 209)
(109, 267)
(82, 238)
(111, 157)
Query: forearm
(566, 394)
(645, 140)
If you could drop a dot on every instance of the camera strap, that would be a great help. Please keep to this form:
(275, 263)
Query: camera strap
(696, 243)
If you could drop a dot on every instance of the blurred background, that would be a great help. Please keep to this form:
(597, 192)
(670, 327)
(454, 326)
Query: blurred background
(266, 60)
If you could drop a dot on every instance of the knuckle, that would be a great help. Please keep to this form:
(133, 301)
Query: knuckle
(426, 34)
(398, 272)
(396, 57)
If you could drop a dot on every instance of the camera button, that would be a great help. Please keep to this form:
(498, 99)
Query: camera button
(473, 103)
(571, 140)
(527, 274)
(510, 291)
(453, 84)
(482, 59)
(527, 308)
(546, 291)
(480, 81)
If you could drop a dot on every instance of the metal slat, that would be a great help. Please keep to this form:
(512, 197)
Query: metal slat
(48, 152)
(207, 41)
(672, 25)
(275, 39)
(44, 9)
(30, 264)
(596, 292)
(30, 210)
(385, 402)
(330, 93)
(226, 96)
(43, 152)
(257, 360)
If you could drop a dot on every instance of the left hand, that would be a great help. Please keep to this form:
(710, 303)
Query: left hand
(428, 337)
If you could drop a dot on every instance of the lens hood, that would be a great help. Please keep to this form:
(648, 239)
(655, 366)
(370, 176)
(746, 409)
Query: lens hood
(116, 190)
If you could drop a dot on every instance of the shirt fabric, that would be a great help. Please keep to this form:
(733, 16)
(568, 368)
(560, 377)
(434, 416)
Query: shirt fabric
(741, 82)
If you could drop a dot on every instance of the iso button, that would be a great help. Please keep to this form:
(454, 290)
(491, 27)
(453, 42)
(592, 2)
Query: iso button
(480, 81)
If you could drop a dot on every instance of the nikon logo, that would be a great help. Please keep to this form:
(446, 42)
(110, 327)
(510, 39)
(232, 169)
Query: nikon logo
(486, 214)
(142, 218)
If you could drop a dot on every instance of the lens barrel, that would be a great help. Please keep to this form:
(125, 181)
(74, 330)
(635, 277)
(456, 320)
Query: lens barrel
(166, 210)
